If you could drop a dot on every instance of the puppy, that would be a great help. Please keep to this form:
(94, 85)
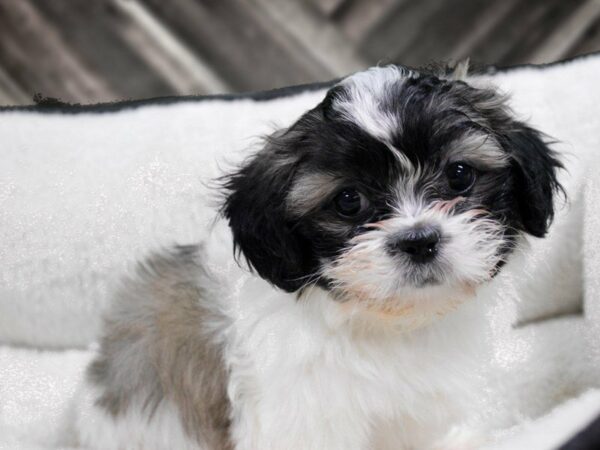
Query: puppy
(365, 235)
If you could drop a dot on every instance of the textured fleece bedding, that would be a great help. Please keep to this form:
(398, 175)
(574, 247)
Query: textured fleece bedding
(87, 191)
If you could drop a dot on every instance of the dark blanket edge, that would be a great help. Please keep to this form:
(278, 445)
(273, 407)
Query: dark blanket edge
(52, 105)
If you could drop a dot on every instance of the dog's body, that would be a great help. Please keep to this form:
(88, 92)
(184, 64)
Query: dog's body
(288, 373)
(377, 217)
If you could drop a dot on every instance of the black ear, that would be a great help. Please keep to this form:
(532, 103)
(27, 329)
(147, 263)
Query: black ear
(255, 206)
(326, 106)
(535, 167)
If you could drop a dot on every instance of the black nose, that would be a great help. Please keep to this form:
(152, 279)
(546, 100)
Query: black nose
(421, 244)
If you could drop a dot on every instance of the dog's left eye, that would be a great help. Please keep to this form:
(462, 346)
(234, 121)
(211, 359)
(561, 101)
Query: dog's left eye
(349, 202)
(460, 176)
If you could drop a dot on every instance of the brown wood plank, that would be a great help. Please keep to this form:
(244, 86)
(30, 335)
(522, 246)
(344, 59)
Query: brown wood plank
(34, 53)
(246, 48)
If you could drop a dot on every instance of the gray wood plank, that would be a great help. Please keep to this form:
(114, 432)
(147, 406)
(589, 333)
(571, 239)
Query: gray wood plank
(481, 29)
(34, 53)
(441, 32)
(326, 7)
(359, 17)
(318, 36)
(520, 28)
(563, 37)
(91, 30)
(248, 49)
(170, 58)
(555, 17)
(399, 28)
(88, 51)
(589, 42)
(11, 93)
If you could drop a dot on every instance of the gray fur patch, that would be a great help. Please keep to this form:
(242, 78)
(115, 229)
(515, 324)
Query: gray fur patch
(163, 343)
(309, 190)
(478, 149)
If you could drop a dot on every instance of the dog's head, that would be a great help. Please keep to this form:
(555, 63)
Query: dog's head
(399, 189)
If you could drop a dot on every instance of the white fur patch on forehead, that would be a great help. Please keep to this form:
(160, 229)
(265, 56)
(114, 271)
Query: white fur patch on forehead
(309, 190)
(365, 93)
(478, 149)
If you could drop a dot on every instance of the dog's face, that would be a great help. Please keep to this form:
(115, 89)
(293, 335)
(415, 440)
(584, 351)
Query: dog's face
(399, 190)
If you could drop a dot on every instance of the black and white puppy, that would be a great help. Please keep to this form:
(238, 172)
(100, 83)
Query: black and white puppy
(371, 225)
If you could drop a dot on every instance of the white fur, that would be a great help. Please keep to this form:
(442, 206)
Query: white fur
(55, 272)
(308, 375)
(467, 256)
(386, 364)
(363, 105)
(131, 431)
(314, 373)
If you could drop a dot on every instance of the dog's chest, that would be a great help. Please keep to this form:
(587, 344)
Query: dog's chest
(291, 372)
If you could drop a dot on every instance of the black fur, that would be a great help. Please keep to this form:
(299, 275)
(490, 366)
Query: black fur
(287, 249)
(256, 212)
(535, 166)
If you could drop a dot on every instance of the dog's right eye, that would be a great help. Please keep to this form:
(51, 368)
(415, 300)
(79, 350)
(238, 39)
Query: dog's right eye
(349, 202)
(461, 177)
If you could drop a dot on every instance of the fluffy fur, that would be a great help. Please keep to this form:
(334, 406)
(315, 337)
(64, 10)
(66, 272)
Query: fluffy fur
(344, 340)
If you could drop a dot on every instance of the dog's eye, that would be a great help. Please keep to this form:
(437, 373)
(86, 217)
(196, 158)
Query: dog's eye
(460, 176)
(349, 202)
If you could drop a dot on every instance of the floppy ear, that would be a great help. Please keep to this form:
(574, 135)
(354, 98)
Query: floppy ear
(535, 167)
(256, 209)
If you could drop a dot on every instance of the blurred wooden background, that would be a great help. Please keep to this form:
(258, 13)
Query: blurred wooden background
(89, 51)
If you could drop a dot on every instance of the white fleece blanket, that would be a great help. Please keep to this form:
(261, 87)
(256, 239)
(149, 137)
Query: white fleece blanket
(86, 192)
